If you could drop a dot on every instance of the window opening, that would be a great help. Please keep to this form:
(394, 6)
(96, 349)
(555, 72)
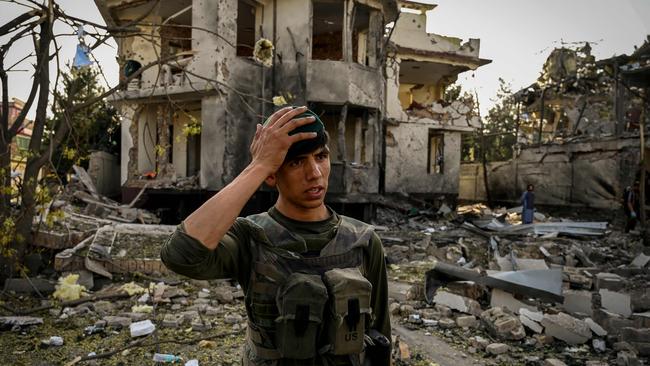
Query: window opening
(246, 15)
(360, 34)
(327, 31)
(436, 158)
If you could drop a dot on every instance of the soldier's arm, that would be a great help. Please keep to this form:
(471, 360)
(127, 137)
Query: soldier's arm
(210, 222)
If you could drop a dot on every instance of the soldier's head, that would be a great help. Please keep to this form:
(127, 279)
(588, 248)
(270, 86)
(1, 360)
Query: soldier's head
(302, 179)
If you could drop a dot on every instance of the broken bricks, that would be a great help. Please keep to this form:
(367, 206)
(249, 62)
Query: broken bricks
(502, 325)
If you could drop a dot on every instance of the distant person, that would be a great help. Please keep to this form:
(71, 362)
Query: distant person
(631, 206)
(528, 203)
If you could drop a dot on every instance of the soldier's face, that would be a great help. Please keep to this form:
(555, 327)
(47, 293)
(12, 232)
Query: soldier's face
(302, 181)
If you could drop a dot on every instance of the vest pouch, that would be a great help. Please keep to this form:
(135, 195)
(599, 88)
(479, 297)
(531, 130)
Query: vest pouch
(349, 310)
(301, 301)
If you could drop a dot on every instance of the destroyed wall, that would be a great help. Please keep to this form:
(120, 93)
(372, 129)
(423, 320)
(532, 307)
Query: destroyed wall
(226, 92)
(209, 93)
(423, 133)
(591, 174)
(410, 168)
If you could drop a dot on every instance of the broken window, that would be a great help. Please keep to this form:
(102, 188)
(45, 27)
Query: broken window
(360, 34)
(246, 20)
(175, 39)
(436, 158)
(327, 30)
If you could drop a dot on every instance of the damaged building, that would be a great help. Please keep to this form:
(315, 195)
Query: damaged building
(423, 132)
(578, 132)
(189, 114)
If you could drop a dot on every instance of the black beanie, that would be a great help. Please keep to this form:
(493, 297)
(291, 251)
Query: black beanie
(307, 146)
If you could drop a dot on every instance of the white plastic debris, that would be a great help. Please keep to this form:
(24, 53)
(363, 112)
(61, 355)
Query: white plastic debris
(54, 341)
(142, 328)
(192, 363)
(163, 357)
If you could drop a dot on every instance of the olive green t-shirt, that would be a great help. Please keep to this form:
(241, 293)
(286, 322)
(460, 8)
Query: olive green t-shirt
(232, 257)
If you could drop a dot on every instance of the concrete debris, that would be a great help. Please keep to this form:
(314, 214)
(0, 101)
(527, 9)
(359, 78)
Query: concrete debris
(500, 298)
(497, 348)
(567, 328)
(640, 261)
(502, 325)
(456, 302)
(530, 324)
(616, 302)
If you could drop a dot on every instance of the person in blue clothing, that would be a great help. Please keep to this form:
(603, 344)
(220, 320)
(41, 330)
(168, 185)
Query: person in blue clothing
(528, 203)
(631, 206)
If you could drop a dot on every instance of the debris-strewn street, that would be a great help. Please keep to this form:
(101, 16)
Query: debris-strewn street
(467, 287)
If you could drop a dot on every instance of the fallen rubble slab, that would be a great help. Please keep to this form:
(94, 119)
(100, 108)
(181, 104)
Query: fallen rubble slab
(543, 284)
(566, 228)
(119, 248)
(567, 328)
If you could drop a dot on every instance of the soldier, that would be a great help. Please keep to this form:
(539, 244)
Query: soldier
(315, 282)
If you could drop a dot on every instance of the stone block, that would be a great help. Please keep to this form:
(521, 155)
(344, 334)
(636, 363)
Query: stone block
(224, 294)
(530, 324)
(446, 323)
(577, 301)
(567, 328)
(497, 348)
(609, 281)
(117, 321)
(172, 321)
(616, 302)
(456, 302)
(503, 299)
(468, 321)
(640, 261)
(533, 315)
(595, 327)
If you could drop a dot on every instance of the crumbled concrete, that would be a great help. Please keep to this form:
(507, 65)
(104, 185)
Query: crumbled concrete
(497, 348)
(553, 362)
(616, 302)
(595, 327)
(503, 325)
(577, 302)
(609, 281)
(468, 321)
(567, 328)
(530, 324)
(456, 302)
(503, 299)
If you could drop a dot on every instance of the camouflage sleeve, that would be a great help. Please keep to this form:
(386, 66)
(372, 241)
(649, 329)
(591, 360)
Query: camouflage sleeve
(187, 256)
(376, 274)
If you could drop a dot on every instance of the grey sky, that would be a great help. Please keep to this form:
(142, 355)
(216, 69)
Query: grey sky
(516, 34)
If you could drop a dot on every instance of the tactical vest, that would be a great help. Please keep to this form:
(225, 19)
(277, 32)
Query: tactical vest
(306, 310)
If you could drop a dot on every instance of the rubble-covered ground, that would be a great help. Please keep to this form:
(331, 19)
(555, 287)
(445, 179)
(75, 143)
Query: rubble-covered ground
(496, 292)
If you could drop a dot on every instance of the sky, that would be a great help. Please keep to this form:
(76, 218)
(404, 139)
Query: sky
(517, 35)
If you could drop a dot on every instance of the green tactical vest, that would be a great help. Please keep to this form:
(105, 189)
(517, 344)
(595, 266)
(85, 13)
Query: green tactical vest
(289, 296)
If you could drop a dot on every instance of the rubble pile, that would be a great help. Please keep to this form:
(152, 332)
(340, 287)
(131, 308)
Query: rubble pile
(136, 321)
(550, 293)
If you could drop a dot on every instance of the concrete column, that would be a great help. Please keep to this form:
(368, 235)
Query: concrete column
(213, 142)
